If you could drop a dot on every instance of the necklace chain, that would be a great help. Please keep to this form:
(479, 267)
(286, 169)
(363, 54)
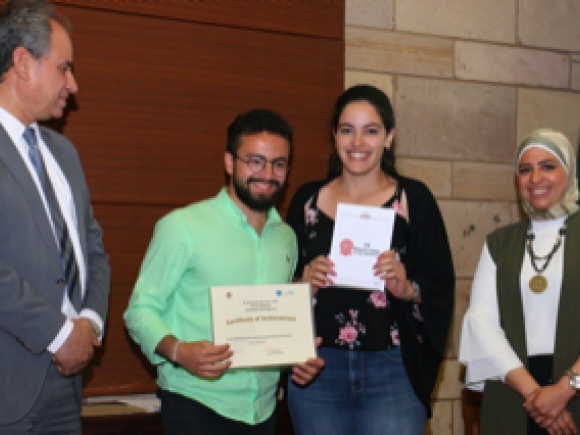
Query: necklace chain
(548, 257)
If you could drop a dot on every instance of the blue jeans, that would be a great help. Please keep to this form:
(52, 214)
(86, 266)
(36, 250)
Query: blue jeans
(358, 393)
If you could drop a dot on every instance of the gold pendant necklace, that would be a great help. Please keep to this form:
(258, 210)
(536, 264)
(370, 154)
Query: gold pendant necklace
(539, 283)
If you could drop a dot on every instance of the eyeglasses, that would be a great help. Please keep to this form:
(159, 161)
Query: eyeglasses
(257, 163)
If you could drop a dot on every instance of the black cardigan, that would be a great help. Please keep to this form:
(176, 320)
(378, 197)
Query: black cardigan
(429, 264)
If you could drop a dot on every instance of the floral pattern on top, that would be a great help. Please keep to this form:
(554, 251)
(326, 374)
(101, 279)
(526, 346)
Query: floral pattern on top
(379, 299)
(349, 330)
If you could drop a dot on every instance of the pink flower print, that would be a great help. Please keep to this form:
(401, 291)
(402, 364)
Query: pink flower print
(379, 299)
(348, 334)
(398, 209)
(311, 217)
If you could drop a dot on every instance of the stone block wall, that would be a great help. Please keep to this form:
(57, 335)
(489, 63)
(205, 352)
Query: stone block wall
(468, 80)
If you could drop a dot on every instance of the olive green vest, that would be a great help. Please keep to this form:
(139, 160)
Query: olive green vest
(503, 411)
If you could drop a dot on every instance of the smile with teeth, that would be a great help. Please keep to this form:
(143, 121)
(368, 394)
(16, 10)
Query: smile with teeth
(541, 191)
(358, 155)
(264, 186)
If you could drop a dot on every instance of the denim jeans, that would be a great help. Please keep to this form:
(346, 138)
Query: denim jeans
(358, 393)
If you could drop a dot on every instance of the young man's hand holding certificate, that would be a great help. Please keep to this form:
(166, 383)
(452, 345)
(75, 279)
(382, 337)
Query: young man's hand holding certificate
(361, 234)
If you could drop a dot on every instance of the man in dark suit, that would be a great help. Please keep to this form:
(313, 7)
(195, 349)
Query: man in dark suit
(54, 272)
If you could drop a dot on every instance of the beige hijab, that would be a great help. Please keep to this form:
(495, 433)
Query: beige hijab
(557, 144)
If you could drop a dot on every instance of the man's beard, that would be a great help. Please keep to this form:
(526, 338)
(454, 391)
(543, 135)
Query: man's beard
(262, 202)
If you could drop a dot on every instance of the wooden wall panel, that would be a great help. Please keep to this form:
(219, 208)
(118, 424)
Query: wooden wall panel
(120, 366)
(156, 96)
(322, 18)
(153, 107)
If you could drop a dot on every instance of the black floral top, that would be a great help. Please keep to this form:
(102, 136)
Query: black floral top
(352, 318)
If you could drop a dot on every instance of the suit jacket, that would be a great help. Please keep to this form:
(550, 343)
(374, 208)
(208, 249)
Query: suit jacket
(30, 267)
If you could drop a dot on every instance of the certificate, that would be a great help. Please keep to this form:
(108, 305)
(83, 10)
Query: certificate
(265, 325)
(361, 233)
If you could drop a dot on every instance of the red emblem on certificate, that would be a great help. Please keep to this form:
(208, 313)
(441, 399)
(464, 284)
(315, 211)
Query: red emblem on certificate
(346, 247)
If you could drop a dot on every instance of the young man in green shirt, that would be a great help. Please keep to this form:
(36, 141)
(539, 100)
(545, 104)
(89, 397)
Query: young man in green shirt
(235, 238)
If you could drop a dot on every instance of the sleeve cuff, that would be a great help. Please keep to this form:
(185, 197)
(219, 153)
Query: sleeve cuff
(61, 337)
(95, 319)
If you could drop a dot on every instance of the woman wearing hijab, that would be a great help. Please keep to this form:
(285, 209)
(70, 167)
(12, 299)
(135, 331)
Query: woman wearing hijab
(521, 334)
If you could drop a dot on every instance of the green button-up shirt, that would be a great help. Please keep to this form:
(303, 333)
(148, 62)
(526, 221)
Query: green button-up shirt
(208, 243)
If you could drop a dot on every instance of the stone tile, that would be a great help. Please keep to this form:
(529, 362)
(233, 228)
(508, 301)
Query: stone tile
(493, 63)
(491, 20)
(557, 110)
(449, 383)
(369, 13)
(382, 81)
(484, 181)
(462, 294)
(550, 24)
(458, 426)
(575, 80)
(443, 119)
(468, 223)
(436, 175)
(442, 421)
(378, 50)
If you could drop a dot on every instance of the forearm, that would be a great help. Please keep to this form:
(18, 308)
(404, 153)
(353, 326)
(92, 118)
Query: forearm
(520, 380)
(147, 328)
(167, 347)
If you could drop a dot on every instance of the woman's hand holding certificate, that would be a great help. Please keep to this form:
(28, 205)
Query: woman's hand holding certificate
(318, 273)
(393, 272)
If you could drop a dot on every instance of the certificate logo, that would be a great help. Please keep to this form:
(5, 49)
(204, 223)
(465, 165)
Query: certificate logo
(229, 295)
(346, 247)
(278, 292)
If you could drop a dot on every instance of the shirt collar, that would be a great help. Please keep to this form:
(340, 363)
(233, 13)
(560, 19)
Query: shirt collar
(14, 128)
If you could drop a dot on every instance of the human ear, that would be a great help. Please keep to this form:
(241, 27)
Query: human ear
(229, 163)
(22, 61)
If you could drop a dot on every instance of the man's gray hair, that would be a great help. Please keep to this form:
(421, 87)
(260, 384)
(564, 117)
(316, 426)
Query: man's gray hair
(26, 23)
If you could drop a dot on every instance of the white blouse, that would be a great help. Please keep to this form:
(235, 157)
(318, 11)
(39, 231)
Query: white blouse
(484, 348)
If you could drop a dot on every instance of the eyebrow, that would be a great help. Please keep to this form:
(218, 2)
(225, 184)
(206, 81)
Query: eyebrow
(370, 124)
(543, 161)
(68, 64)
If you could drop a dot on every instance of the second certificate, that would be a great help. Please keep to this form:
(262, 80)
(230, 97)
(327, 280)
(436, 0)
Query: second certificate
(265, 325)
